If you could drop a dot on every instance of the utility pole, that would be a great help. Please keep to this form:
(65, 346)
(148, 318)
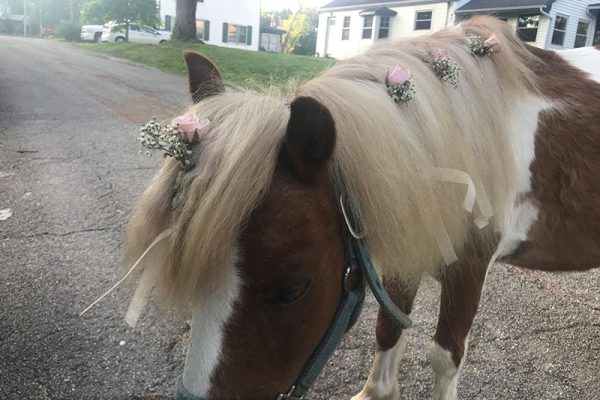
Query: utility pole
(24, 18)
(71, 10)
(40, 16)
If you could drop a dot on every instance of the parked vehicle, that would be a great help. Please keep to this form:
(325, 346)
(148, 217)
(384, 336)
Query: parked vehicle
(137, 34)
(48, 32)
(91, 33)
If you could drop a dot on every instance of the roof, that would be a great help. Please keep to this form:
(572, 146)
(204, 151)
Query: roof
(269, 29)
(502, 5)
(381, 11)
(361, 3)
(12, 17)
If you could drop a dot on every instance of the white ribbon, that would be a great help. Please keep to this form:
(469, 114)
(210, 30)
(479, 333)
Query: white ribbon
(471, 197)
(443, 241)
(164, 234)
(457, 176)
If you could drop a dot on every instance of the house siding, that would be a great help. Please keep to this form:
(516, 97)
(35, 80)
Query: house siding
(330, 43)
(542, 33)
(218, 12)
(574, 10)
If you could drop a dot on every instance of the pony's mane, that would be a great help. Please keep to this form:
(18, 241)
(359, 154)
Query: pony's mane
(384, 154)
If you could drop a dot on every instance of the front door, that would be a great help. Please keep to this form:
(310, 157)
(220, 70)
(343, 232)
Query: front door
(329, 35)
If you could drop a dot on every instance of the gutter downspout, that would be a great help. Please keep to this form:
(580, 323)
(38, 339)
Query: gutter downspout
(545, 14)
(449, 2)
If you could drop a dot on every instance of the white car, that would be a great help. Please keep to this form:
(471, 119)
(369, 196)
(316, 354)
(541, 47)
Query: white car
(137, 34)
(91, 33)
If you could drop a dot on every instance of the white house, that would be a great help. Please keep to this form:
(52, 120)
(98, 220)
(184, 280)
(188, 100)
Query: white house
(549, 24)
(347, 27)
(222, 23)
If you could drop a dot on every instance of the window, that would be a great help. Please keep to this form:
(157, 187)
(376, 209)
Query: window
(237, 34)
(423, 20)
(202, 30)
(232, 34)
(384, 27)
(167, 23)
(527, 27)
(270, 42)
(582, 32)
(346, 29)
(560, 26)
(242, 34)
(367, 27)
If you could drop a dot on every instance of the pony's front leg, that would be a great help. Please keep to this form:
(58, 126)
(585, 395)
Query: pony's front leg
(382, 383)
(461, 283)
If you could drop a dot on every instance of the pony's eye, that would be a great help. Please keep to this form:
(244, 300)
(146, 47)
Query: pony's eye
(289, 294)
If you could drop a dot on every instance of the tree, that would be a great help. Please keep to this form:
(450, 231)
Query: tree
(121, 11)
(301, 36)
(185, 20)
(274, 18)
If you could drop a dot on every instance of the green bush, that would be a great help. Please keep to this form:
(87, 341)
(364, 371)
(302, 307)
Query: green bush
(70, 31)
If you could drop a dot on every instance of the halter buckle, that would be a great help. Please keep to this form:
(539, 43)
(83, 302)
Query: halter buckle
(289, 395)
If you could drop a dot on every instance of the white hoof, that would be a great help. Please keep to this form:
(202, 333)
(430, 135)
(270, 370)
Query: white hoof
(374, 393)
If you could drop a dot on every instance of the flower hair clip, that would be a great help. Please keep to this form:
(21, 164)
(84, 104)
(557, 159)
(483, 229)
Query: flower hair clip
(445, 67)
(399, 85)
(175, 139)
(479, 47)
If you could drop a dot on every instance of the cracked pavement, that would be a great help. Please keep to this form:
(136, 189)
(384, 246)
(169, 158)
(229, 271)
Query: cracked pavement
(70, 173)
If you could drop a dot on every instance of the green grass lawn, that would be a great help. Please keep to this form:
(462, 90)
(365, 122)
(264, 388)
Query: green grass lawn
(248, 69)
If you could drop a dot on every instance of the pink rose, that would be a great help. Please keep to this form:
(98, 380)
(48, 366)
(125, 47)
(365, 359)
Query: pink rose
(441, 55)
(493, 43)
(189, 125)
(398, 76)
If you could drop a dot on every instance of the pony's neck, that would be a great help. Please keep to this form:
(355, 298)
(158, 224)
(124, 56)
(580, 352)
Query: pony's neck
(484, 128)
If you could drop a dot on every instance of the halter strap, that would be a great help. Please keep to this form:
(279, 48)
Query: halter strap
(358, 261)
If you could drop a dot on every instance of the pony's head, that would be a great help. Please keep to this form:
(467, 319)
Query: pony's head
(256, 249)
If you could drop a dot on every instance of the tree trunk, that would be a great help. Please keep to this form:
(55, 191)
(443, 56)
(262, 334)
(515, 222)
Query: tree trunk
(185, 20)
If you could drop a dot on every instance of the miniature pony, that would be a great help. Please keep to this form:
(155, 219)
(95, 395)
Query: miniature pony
(254, 246)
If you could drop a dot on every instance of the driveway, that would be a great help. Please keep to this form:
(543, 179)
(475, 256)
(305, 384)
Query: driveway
(70, 173)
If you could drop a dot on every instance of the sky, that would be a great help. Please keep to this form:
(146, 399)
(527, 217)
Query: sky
(271, 5)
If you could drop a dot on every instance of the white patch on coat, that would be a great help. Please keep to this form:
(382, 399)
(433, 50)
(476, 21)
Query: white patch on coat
(585, 58)
(521, 214)
(446, 373)
(383, 379)
(204, 348)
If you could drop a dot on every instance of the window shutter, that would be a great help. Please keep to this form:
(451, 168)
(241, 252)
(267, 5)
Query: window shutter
(167, 22)
(206, 31)
(249, 35)
(225, 30)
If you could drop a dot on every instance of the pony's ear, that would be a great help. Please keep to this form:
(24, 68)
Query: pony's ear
(310, 138)
(205, 79)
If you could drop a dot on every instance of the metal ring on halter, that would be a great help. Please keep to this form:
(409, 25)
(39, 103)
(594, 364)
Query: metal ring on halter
(354, 234)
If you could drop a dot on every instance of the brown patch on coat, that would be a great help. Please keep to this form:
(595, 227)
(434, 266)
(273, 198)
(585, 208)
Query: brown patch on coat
(295, 235)
(565, 172)
(462, 283)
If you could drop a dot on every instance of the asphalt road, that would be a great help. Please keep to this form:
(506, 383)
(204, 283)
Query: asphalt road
(70, 173)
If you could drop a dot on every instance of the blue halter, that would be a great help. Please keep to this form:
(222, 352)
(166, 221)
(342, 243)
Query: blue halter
(359, 262)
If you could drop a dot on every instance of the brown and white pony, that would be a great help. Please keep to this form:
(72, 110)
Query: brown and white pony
(255, 244)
